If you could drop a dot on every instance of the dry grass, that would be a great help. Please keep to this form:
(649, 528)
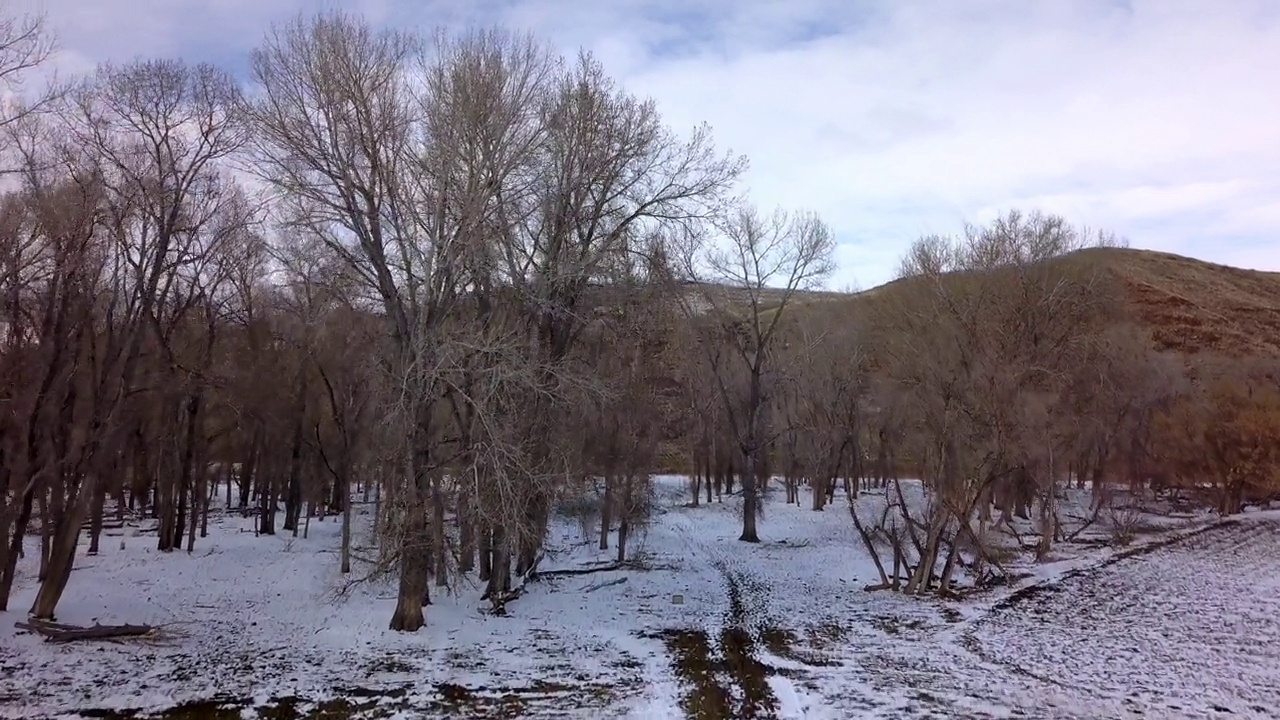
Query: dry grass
(1191, 306)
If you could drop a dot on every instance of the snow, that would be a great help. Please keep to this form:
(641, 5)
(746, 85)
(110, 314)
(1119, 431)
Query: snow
(1186, 629)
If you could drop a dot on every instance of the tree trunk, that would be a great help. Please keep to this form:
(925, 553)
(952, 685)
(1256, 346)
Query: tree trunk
(95, 518)
(750, 503)
(208, 501)
(266, 502)
(706, 467)
(63, 551)
(191, 459)
(820, 492)
(500, 569)
(624, 528)
(529, 540)
(606, 512)
(15, 544)
(485, 550)
(163, 504)
(293, 497)
(199, 508)
(870, 545)
(179, 526)
(466, 529)
(345, 550)
(408, 616)
(48, 515)
(948, 567)
(624, 516)
(439, 540)
(923, 575)
(1047, 526)
(248, 469)
(415, 557)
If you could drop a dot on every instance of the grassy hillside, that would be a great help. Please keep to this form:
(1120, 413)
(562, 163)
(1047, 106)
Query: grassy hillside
(1190, 306)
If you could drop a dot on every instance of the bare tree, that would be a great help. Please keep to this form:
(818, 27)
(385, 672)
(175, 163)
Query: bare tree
(749, 276)
(51, 275)
(609, 177)
(336, 139)
(821, 402)
(633, 350)
(25, 45)
(152, 134)
(983, 333)
(399, 164)
(28, 254)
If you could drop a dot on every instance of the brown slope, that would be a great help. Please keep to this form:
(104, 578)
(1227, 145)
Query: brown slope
(1189, 306)
(1192, 306)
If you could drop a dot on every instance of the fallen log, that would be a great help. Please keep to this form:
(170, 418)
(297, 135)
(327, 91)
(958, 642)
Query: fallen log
(59, 633)
(599, 585)
(581, 571)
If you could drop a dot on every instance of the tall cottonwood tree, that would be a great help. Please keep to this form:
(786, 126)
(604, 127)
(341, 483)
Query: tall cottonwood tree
(337, 138)
(748, 276)
(487, 165)
(609, 178)
(36, 305)
(51, 273)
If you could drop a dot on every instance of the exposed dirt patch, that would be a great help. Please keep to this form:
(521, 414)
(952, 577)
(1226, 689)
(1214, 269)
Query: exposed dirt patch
(896, 625)
(722, 680)
(724, 676)
(826, 636)
(286, 708)
(738, 642)
(707, 695)
(751, 675)
(786, 644)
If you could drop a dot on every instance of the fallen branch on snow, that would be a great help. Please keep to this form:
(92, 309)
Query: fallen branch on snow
(580, 571)
(57, 632)
(533, 574)
(597, 586)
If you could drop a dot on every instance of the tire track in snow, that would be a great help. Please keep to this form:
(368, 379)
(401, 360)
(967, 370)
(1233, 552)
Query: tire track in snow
(722, 662)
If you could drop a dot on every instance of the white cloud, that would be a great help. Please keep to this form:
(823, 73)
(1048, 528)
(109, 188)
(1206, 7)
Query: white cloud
(1151, 118)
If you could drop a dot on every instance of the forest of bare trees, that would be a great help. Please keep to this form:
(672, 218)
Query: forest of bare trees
(472, 277)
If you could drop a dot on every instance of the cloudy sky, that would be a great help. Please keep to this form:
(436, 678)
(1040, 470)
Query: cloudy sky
(1156, 119)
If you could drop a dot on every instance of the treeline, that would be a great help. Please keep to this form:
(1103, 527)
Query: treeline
(479, 277)
(431, 265)
(1001, 368)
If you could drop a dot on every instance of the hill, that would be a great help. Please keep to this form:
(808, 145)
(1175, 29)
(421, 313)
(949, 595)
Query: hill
(1189, 306)
(1192, 306)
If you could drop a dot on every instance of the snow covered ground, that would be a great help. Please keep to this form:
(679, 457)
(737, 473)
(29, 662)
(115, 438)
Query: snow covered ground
(780, 629)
